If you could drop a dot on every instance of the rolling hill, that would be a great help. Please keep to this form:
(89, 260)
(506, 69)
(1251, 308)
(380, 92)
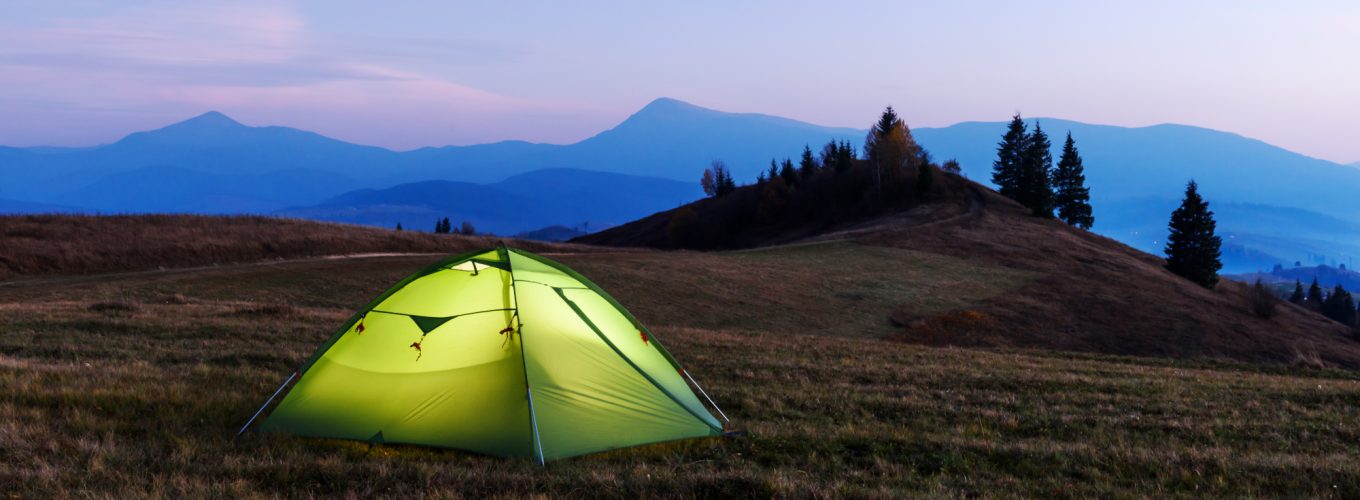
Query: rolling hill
(1083, 291)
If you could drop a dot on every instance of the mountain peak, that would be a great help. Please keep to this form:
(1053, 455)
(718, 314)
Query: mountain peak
(212, 119)
(668, 103)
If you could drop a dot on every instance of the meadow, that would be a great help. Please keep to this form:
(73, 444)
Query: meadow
(135, 384)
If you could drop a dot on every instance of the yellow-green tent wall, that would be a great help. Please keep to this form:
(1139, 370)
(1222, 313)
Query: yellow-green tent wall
(499, 352)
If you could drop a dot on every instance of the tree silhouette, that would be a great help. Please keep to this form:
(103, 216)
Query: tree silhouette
(1070, 195)
(1009, 157)
(1192, 249)
(1033, 186)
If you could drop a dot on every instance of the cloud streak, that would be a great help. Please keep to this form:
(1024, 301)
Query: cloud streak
(253, 60)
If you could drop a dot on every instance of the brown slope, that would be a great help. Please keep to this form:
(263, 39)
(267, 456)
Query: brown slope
(75, 244)
(1092, 293)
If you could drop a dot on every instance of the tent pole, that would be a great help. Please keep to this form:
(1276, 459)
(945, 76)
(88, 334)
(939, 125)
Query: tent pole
(523, 360)
(533, 421)
(266, 403)
(701, 391)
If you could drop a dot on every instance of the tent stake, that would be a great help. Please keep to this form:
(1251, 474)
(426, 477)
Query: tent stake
(701, 391)
(266, 403)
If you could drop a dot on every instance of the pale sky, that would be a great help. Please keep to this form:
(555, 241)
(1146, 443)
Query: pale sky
(416, 73)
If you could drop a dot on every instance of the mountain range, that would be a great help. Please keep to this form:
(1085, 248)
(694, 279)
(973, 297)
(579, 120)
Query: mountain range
(1273, 205)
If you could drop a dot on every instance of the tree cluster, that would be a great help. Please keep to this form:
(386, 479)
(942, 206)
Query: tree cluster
(717, 180)
(1023, 171)
(817, 187)
(443, 226)
(1338, 305)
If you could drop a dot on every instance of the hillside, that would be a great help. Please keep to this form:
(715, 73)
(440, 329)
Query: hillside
(134, 384)
(1084, 292)
(34, 245)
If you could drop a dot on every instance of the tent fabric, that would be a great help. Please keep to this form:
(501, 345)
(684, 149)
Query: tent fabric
(500, 352)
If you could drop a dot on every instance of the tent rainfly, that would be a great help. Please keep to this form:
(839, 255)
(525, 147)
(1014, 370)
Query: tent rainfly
(500, 352)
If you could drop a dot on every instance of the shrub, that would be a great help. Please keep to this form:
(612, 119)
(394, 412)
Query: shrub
(1262, 300)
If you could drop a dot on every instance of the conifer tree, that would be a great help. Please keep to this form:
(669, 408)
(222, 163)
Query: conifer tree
(399, 226)
(1036, 165)
(1315, 295)
(1298, 296)
(719, 179)
(787, 173)
(1070, 195)
(1009, 154)
(1192, 248)
(807, 165)
(774, 170)
(1340, 306)
(845, 157)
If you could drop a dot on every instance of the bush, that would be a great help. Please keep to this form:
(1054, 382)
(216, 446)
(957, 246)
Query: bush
(1262, 300)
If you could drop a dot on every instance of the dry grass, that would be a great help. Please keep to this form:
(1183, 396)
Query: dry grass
(74, 244)
(145, 402)
(1081, 291)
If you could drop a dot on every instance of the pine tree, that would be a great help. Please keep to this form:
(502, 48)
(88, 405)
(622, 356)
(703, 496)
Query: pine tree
(1192, 248)
(774, 170)
(717, 180)
(1340, 306)
(1036, 165)
(787, 173)
(399, 226)
(1298, 296)
(845, 157)
(1009, 154)
(1315, 295)
(807, 165)
(1070, 195)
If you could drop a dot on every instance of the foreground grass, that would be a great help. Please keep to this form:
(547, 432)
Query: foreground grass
(136, 386)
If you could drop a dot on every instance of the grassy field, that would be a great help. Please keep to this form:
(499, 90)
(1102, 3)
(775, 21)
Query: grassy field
(134, 384)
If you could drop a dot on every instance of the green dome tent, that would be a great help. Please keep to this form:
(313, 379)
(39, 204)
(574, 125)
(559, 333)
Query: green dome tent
(500, 352)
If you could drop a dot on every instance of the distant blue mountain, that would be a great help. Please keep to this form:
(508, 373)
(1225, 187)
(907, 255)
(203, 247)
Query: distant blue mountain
(521, 203)
(1273, 203)
(1124, 163)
